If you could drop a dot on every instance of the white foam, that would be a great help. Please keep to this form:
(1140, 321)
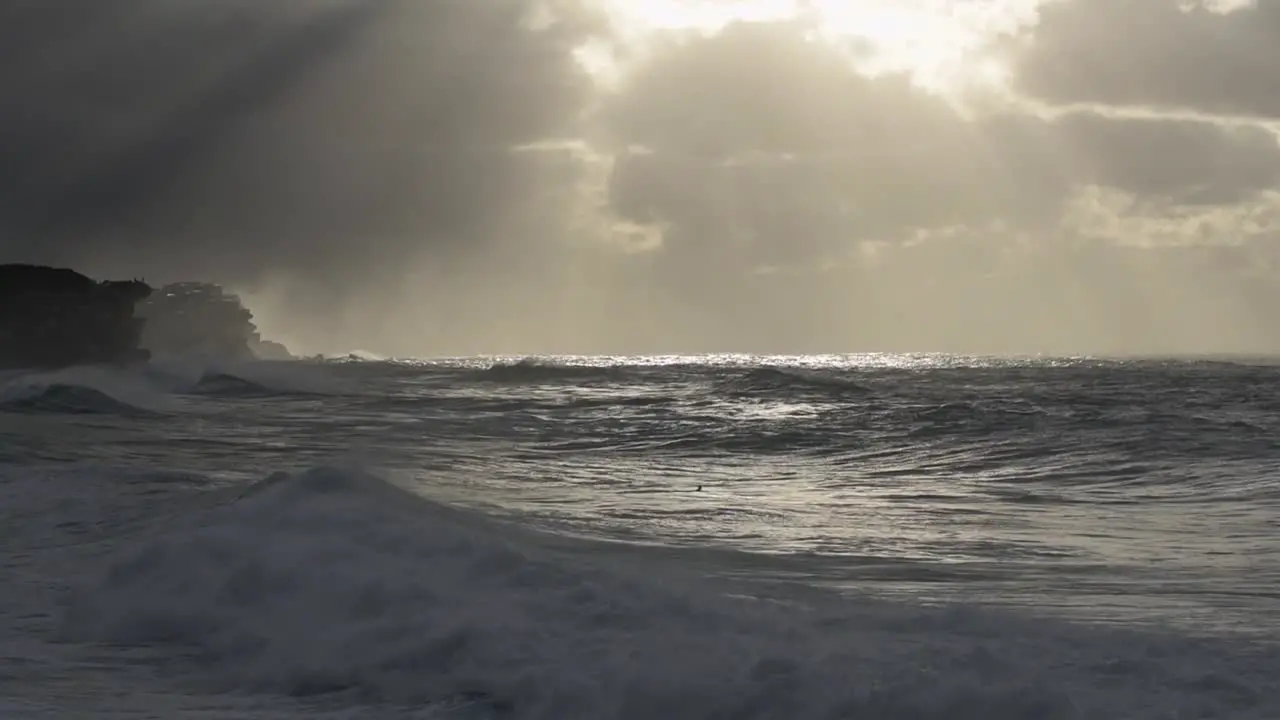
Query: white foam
(159, 386)
(358, 355)
(335, 581)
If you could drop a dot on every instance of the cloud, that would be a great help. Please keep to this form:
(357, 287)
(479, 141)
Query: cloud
(245, 139)
(803, 148)
(802, 186)
(1172, 159)
(434, 176)
(807, 157)
(1215, 58)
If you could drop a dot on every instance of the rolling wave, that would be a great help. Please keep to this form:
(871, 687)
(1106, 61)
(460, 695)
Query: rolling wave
(535, 370)
(333, 582)
(226, 384)
(69, 399)
(770, 380)
(668, 537)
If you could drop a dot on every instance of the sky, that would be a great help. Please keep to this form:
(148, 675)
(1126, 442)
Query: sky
(443, 177)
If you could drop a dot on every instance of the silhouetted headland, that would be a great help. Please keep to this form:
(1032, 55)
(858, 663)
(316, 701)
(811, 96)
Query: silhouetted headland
(203, 319)
(56, 317)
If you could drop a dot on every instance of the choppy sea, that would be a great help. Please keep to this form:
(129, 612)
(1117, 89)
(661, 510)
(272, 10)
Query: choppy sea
(876, 537)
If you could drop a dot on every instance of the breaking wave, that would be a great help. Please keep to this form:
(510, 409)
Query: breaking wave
(72, 399)
(533, 370)
(82, 391)
(336, 582)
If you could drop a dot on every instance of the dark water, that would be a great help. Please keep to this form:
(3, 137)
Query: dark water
(883, 536)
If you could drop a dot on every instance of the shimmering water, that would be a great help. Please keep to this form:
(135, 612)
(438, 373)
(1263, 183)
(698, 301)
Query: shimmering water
(880, 536)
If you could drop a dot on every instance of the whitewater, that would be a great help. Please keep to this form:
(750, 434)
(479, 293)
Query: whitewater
(875, 537)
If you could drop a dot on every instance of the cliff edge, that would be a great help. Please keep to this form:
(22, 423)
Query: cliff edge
(55, 317)
(203, 319)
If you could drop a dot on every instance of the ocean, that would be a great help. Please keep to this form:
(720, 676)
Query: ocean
(875, 537)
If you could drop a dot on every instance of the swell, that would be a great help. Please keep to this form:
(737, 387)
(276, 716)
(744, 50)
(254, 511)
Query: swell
(60, 398)
(766, 381)
(334, 582)
(535, 370)
(1157, 427)
(230, 385)
(1113, 432)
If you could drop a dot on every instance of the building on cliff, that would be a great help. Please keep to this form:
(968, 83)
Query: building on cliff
(202, 319)
(56, 317)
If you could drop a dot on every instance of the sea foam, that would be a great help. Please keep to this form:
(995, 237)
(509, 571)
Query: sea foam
(337, 582)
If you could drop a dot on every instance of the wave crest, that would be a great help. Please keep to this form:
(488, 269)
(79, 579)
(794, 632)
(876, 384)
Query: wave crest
(70, 399)
(217, 383)
(770, 380)
(334, 581)
(83, 391)
(530, 370)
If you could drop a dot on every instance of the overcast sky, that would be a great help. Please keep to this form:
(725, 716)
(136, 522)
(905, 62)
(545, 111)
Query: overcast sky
(426, 177)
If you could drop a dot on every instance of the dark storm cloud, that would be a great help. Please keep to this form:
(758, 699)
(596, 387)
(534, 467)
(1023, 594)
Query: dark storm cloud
(1175, 160)
(1155, 53)
(238, 139)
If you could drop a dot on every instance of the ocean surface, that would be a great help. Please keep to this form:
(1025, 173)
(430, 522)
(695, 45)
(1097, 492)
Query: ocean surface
(874, 537)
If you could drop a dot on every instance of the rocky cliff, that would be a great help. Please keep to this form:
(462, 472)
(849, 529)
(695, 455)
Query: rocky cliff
(203, 319)
(56, 317)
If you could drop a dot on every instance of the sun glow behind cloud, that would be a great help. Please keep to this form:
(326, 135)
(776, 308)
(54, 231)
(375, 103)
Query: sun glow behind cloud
(939, 43)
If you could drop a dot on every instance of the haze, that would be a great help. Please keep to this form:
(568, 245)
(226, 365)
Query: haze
(442, 177)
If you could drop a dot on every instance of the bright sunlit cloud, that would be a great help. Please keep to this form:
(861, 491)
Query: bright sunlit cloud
(938, 42)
